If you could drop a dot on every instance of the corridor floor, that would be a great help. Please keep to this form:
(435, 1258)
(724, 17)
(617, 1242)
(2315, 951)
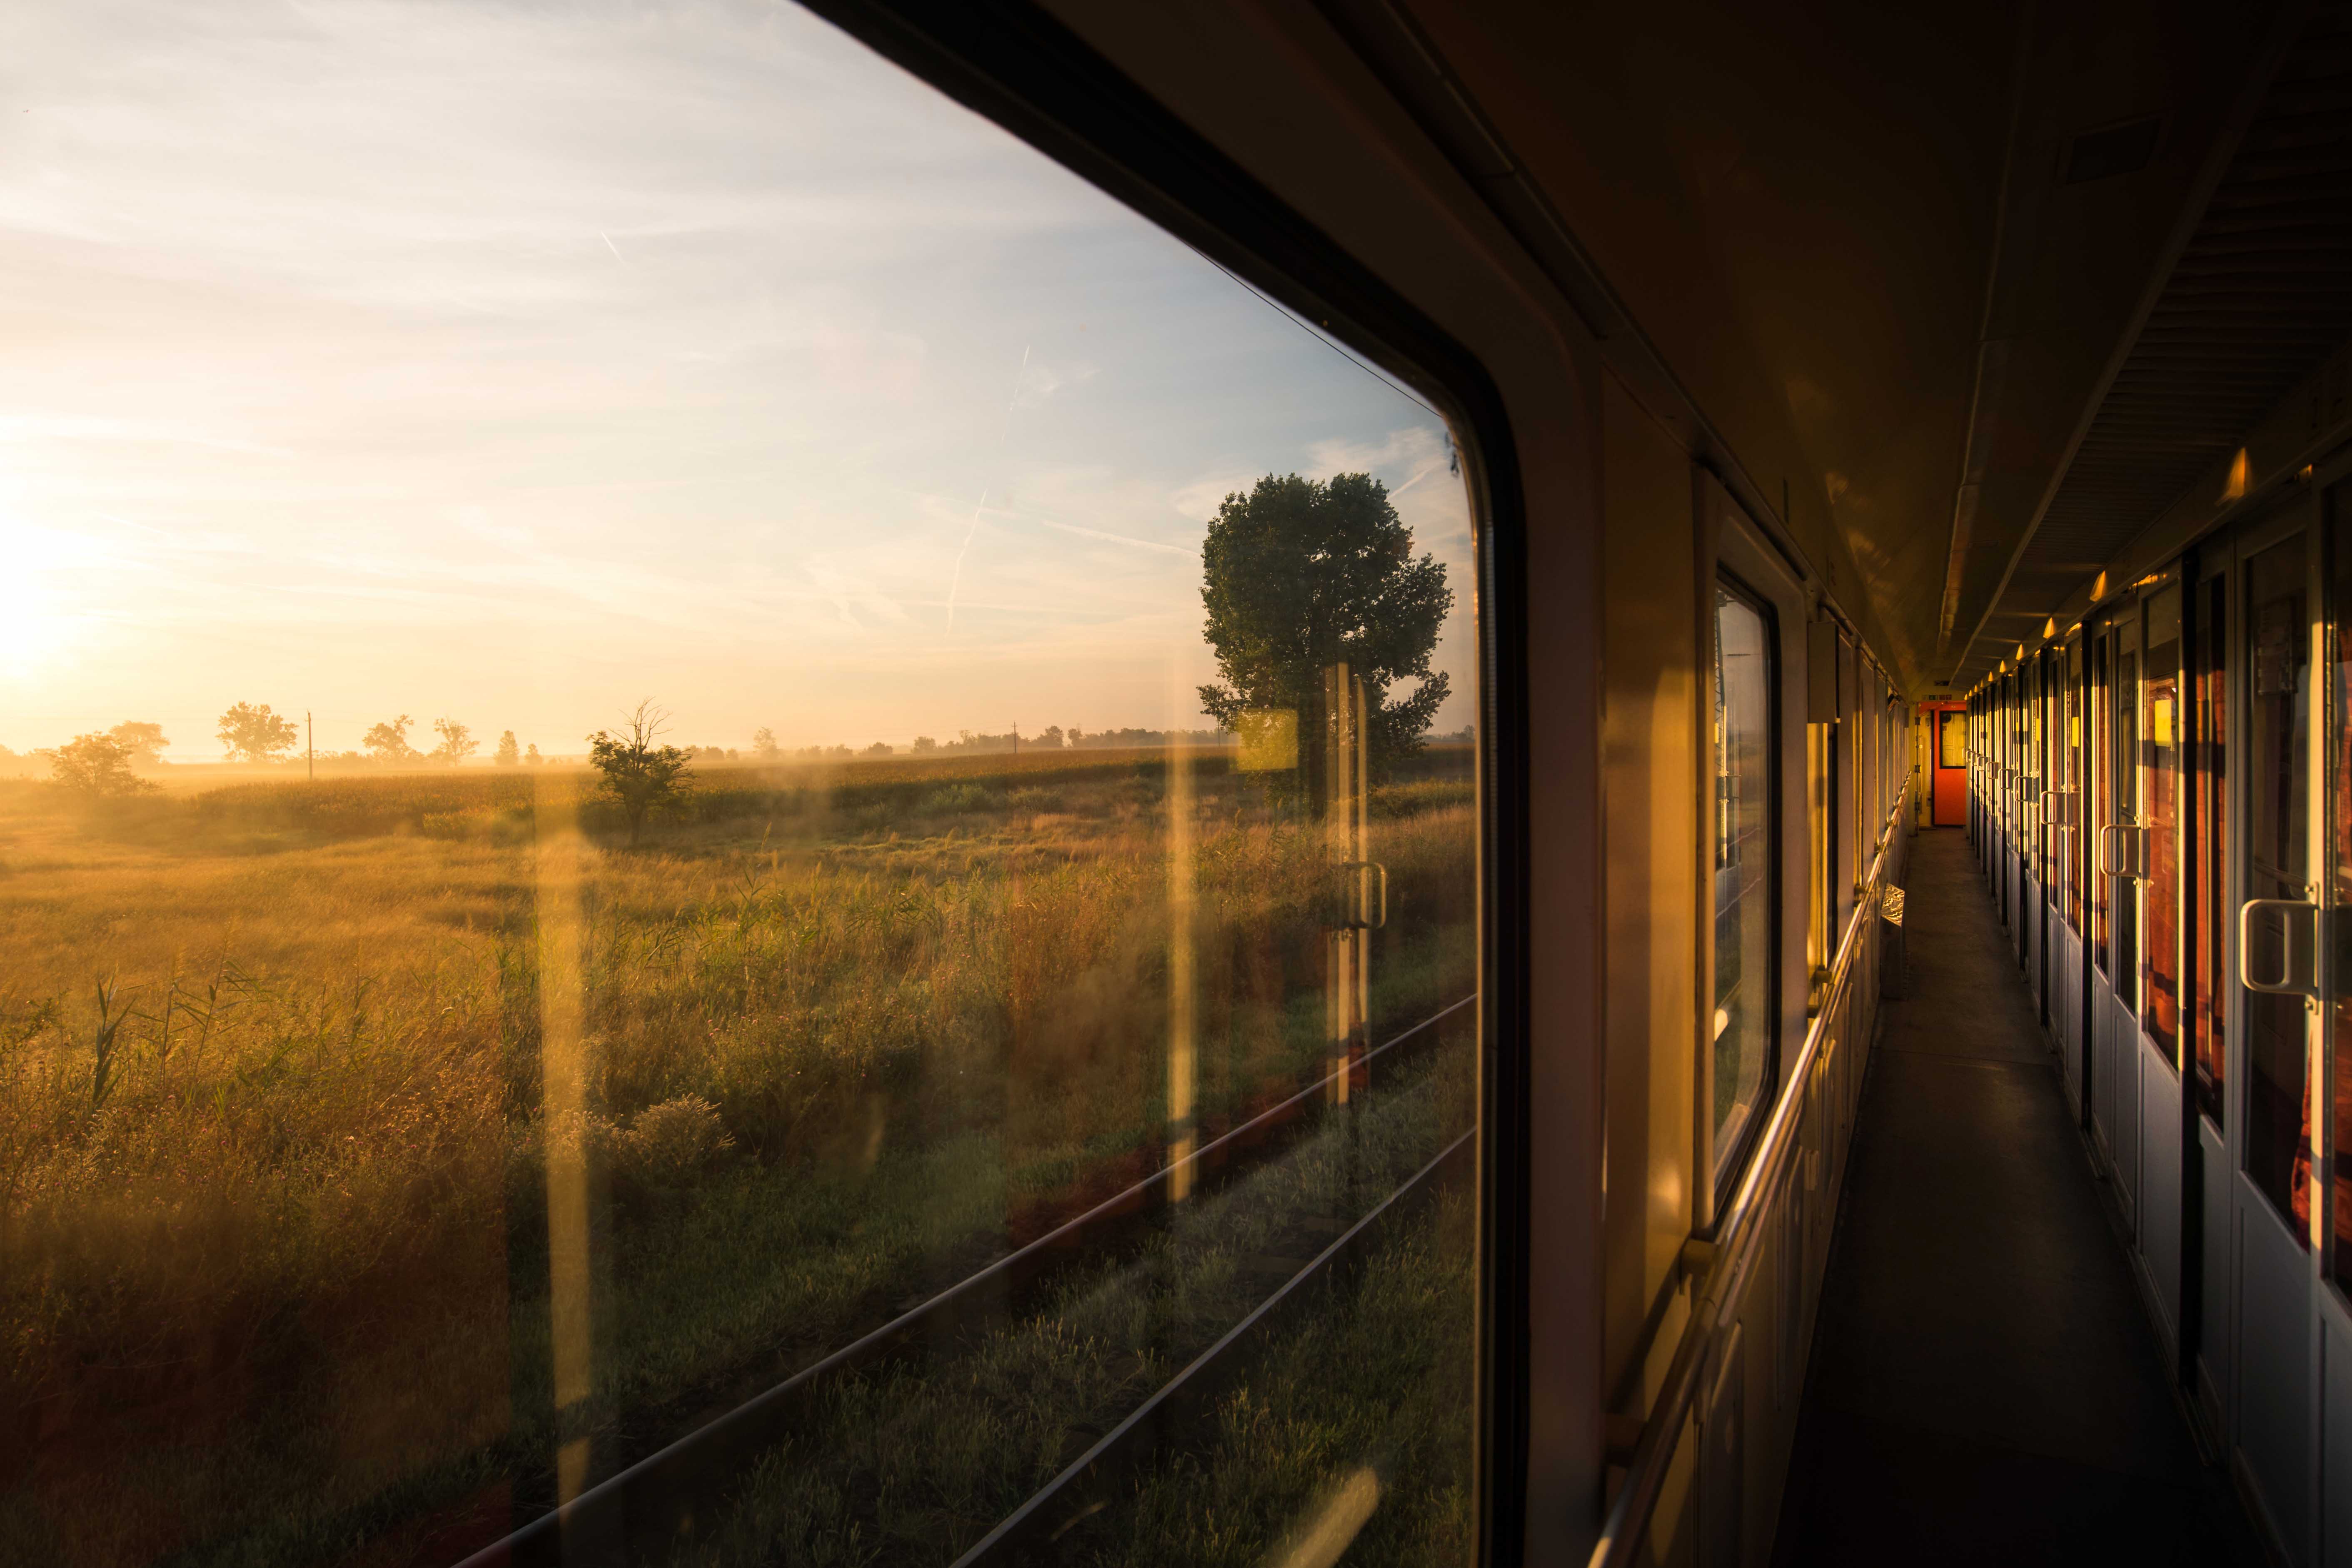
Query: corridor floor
(1985, 1386)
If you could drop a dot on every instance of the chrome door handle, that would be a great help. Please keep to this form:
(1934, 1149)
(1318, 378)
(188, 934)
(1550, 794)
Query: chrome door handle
(2297, 980)
(2058, 809)
(2137, 871)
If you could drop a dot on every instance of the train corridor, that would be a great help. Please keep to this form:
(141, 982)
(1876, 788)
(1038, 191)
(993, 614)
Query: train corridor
(1984, 1384)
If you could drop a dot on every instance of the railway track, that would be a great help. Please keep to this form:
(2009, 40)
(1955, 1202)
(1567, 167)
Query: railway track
(648, 1502)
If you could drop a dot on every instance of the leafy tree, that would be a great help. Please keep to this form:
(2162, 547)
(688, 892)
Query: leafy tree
(530, 757)
(1076, 734)
(1299, 575)
(638, 774)
(457, 743)
(142, 740)
(878, 749)
(389, 743)
(925, 743)
(97, 766)
(255, 734)
(509, 754)
(1051, 736)
(763, 743)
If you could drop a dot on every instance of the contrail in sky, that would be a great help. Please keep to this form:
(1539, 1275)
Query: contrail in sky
(956, 582)
(611, 247)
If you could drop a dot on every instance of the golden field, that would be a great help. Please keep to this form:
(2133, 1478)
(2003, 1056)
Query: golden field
(274, 1139)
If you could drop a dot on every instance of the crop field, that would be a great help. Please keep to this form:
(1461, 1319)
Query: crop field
(385, 1158)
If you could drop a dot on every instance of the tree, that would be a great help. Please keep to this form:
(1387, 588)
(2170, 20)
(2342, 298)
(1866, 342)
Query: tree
(389, 743)
(98, 767)
(143, 742)
(530, 757)
(509, 754)
(763, 743)
(925, 743)
(457, 743)
(1051, 737)
(638, 774)
(878, 749)
(255, 734)
(1300, 576)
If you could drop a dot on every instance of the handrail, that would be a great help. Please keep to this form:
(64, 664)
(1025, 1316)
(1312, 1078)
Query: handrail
(1738, 1234)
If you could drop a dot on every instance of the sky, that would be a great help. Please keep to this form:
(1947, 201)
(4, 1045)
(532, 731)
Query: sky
(515, 363)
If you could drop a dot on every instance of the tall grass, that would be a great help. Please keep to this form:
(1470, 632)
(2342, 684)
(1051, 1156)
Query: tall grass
(273, 1257)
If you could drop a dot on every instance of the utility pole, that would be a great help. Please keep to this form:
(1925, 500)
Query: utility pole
(309, 746)
(1016, 737)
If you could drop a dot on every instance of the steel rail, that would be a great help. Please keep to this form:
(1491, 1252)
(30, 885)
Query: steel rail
(1014, 1524)
(1737, 1235)
(874, 1341)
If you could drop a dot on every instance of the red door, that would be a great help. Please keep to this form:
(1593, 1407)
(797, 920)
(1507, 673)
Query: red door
(1950, 797)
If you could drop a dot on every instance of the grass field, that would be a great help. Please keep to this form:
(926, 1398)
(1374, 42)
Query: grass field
(275, 1141)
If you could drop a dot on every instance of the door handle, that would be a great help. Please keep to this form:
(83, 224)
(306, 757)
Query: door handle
(2137, 871)
(2298, 980)
(2058, 809)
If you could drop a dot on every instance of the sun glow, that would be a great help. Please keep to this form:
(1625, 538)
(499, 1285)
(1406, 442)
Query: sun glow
(36, 623)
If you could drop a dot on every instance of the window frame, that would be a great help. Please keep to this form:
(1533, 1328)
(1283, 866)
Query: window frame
(1725, 1172)
(1015, 65)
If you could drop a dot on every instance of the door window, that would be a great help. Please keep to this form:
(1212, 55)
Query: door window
(2210, 780)
(2160, 720)
(2102, 804)
(2337, 519)
(2278, 814)
(2125, 708)
(2084, 822)
(1745, 1013)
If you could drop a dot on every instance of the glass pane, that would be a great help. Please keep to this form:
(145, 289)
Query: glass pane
(2084, 823)
(2211, 783)
(1953, 744)
(2278, 860)
(2102, 804)
(2337, 519)
(693, 700)
(2127, 810)
(1744, 1011)
(2159, 784)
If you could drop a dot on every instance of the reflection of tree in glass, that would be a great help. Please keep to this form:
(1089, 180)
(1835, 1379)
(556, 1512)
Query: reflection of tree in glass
(1302, 575)
(639, 775)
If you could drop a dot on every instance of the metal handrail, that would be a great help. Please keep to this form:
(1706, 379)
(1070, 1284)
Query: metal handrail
(1738, 1236)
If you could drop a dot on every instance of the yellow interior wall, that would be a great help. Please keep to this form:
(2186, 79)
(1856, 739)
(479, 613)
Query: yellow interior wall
(1651, 692)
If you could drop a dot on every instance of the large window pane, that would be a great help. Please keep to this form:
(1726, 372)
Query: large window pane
(669, 698)
(1744, 878)
(2278, 860)
(2160, 721)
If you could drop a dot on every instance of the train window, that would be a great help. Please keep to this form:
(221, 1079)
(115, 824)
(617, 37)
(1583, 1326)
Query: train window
(2128, 807)
(2210, 780)
(701, 741)
(2158, 753)
(2084, 824)
(2336, 519)
(2102, 804)
(1951, 730)
(2278, 858)
(1745, 870)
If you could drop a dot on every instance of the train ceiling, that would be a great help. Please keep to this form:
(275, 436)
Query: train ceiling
(1979, 290)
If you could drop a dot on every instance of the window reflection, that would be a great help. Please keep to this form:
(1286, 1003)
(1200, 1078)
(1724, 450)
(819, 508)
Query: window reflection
(1743, 869)
(730, 817)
